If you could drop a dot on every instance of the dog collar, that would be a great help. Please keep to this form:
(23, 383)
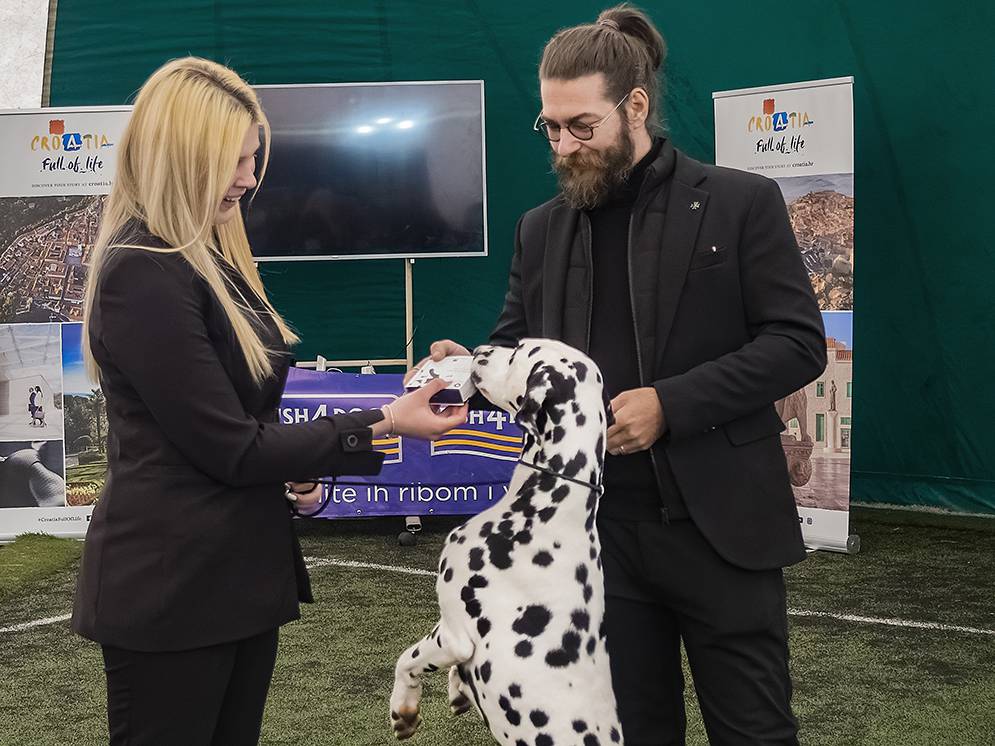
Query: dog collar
(599, 488)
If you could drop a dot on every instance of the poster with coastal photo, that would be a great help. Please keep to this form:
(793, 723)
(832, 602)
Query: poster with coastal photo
(821, 212)
(86, 424)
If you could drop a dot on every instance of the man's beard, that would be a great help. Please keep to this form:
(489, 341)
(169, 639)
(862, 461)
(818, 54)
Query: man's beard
(587, 177)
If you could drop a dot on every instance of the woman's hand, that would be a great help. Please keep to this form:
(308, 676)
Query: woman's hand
(415, 417)
(305, 494)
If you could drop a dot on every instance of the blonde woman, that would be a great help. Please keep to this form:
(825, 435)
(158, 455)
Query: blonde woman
(191, 563)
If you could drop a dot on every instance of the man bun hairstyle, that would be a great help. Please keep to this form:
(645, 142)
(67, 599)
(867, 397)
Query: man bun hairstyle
(623, 45)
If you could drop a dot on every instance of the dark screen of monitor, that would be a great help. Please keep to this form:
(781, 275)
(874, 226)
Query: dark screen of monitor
(370, 170)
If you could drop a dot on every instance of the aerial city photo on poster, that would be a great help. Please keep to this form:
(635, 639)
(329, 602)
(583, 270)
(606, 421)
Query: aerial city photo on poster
(45, 244)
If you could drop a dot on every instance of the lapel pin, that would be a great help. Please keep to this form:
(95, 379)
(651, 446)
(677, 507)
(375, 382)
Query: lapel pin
(695, 205)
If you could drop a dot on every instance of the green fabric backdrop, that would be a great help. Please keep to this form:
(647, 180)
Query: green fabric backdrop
(924, 322)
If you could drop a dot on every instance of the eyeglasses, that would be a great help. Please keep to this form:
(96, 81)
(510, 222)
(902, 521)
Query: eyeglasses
(580, 130)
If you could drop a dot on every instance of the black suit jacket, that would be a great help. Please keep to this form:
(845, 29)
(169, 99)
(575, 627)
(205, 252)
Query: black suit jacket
(726, 323)
(191, 542)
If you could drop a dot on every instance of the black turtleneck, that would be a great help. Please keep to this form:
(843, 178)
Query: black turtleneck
(631, 487)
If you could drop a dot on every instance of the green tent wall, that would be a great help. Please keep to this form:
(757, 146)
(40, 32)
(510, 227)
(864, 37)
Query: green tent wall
(925, 316)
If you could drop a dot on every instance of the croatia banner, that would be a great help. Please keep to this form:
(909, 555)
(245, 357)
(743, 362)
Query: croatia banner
(801, 135)
(58, 165)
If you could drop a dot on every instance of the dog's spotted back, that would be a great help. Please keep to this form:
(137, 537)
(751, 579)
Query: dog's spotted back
(520, 585)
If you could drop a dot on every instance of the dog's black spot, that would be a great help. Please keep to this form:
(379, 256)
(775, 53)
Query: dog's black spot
(477, 581)
(448, 575)
(431, 667)
(581, 371)
(568, 653)
(579, 726)
(538, 718)
(591, 740)
(580, 619)
(415, 653)
(515, 691)
(470, 601)
(574, 465)
(543, 559)
(476, 559)
(581, 574)
(591, 644)
(544, 740)
(485, 672)
(533, 621)
(546, 514)
(558, 434)
(514, 717)
(500, 548)
(523, 649)
(560, 493)
(485, 529)
(523, 537)
(483, 626)
(615, 735)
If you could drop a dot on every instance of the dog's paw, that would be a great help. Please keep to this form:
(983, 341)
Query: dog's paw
(460, 705)
(405, 723)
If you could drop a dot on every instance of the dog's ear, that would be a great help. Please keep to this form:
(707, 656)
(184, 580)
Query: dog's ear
(534, 394)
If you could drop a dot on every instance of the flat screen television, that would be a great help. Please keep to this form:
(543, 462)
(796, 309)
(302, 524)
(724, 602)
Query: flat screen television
(371, 170)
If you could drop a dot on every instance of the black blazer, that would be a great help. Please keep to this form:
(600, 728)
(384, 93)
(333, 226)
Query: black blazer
(726, 323)
(191, 542)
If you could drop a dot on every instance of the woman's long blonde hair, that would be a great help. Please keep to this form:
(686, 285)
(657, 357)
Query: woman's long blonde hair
(176, 160)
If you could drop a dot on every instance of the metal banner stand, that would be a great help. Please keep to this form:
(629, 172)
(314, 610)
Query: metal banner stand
(412, 523)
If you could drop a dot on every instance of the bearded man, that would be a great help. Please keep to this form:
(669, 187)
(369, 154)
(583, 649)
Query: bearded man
(684, 283)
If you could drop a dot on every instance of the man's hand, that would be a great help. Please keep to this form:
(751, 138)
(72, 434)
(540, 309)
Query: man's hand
(439, 350)
(639, 421)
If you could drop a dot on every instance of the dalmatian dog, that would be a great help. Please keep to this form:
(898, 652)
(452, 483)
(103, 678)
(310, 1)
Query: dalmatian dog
(520, 586)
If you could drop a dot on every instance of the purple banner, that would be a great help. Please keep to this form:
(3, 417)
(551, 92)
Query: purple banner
(464, 472)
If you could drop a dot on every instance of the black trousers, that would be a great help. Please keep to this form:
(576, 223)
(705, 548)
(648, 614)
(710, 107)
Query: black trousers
(211, 696)
(664, 583)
